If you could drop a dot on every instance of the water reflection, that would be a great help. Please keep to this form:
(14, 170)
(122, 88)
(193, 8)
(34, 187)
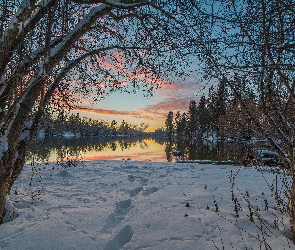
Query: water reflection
(140, 149)
(205, 150)
(119, 148)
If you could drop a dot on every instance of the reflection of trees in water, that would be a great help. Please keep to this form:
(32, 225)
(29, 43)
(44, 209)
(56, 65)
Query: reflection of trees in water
(38, 152)
(161, 140)
(191, 150)
(143, 145)
(42, 149)
(205, 150)
(113, 146)
(169, 148)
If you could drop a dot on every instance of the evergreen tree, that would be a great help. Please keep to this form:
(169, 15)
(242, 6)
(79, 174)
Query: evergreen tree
(169, 124)
(180, 123)
(192, 125)
(211, 104)
(113, 127)
(125, 127)
(221, 98)
(217, 104)
(203, 116)
(183, 123)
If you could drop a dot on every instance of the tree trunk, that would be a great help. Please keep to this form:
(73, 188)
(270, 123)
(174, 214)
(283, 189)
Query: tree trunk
(11, 168)
(6, 170)
(12, 160)
(292, 208)
(19, 162)
(4, 189)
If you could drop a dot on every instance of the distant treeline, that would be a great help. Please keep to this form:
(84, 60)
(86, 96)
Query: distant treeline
(74, 124)
(218, 115)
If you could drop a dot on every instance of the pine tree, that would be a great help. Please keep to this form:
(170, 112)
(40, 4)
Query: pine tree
(192, 125)
(183, 123)
(169, 124)
(202, 116)
(220, 106)
(180, 123)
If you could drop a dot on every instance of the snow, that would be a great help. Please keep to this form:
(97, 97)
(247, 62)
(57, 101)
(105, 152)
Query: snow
(68, 135)
(121, 3)
(40, 134)
(143, 205)
(2, 80)
(25, 135)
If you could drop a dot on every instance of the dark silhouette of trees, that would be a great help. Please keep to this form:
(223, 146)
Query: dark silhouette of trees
(77, 126)
(169, 123)
(252, 42)
(180, 124)
(192, 123)
(203, 116)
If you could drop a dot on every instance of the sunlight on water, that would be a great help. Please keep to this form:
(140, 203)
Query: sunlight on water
(147, 150)
(141, 150)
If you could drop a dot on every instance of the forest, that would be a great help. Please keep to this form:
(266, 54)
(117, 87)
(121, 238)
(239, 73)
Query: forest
(218, 116)
(76, 126)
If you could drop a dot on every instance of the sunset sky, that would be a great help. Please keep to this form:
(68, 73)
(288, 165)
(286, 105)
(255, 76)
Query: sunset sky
(153, 110)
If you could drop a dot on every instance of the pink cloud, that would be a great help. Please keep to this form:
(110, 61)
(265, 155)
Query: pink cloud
(135, 114)
(170, 97)
(168, 105)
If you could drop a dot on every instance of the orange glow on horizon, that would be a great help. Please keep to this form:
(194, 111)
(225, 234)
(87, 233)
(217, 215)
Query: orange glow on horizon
(154, 119)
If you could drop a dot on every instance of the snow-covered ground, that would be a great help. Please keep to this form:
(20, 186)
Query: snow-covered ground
(144, 205)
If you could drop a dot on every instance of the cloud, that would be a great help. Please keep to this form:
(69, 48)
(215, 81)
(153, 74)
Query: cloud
(162, 108)
(176, 97)
(107, 112)
(170, 97)
(138, 113)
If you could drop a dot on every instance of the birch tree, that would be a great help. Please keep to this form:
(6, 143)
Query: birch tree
(54, 53)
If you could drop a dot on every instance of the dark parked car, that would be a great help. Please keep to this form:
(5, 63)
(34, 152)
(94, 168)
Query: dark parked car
(177, 153)
(268, 157)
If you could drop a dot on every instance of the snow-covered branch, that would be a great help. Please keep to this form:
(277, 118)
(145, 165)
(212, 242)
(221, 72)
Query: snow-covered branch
(115, 3)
